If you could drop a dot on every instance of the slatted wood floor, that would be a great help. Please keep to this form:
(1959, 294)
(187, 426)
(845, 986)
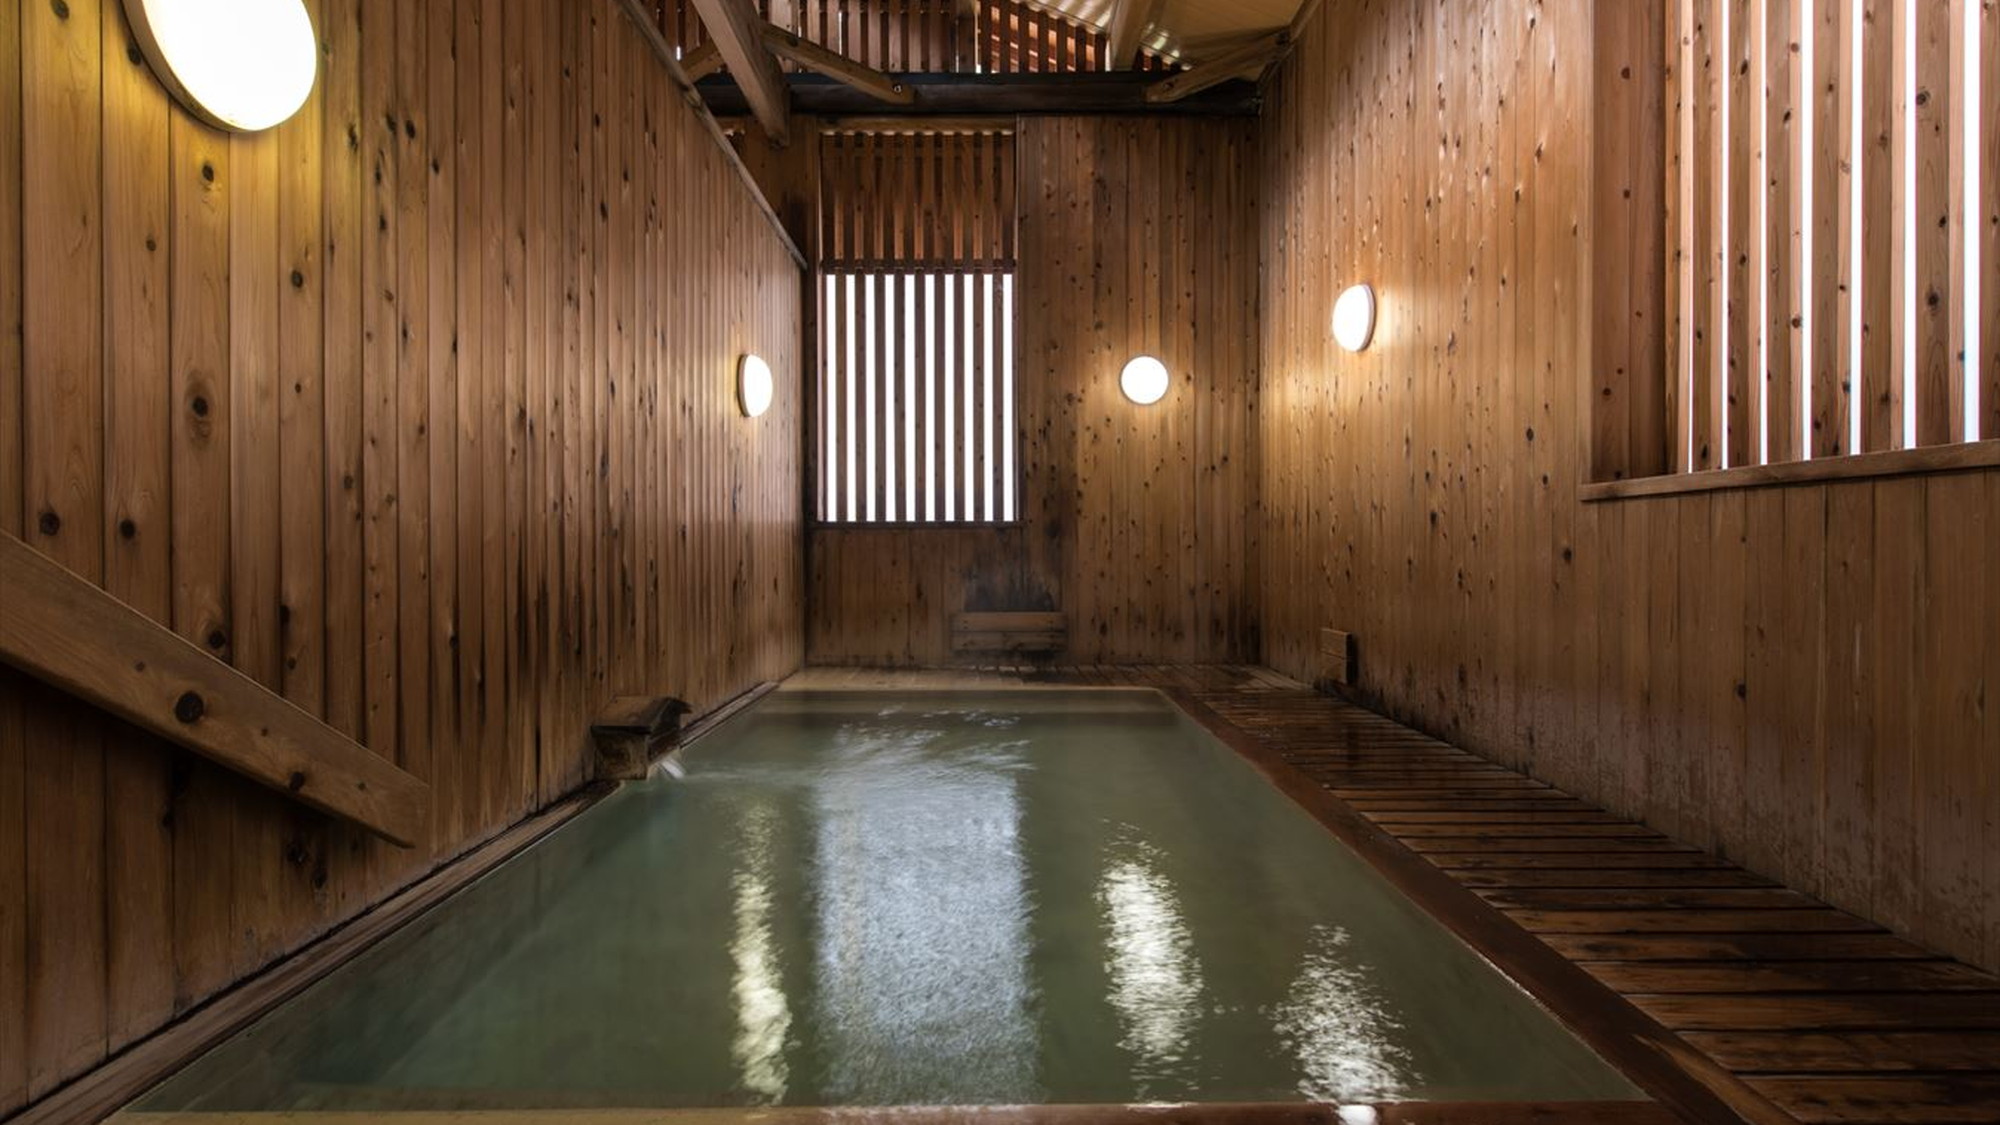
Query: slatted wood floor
(1827, 1016)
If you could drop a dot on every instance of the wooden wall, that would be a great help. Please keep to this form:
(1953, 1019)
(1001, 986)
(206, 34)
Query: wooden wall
(1136, 235)
(1801, 677)
(419, 409)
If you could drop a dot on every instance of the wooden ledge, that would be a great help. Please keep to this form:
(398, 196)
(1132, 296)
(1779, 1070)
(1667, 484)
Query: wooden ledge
(1243, 1113)
(64, 630)
(1968, 457)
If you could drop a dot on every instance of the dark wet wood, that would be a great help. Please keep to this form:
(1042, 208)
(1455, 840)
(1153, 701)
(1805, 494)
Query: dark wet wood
(1819, 1015)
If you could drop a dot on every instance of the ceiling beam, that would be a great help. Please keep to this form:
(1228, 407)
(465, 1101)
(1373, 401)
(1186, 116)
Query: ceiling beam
(738, 34)
(1130, 20)
(1253, 55)
(702, 61)
(840, 68)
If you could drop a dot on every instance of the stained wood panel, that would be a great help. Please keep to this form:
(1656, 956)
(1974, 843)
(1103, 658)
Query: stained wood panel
(416, 423)
(1135, 236)
(1769, 675)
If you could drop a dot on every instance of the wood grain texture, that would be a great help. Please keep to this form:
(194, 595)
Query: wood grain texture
(326, 403)
(1769, 678)
(1134, 236)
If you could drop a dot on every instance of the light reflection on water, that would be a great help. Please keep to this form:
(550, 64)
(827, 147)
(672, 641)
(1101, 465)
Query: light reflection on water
(922, 917)
(1035, 898)
(763, 1017)
(1155, 979)
(1339, 1031)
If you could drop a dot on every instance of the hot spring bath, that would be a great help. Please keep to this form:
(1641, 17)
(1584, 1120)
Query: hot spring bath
(856, 899)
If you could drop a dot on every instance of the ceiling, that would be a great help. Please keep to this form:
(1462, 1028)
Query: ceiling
(1191, 30)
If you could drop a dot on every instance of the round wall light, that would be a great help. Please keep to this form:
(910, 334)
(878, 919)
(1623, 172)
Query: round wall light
(1144, 380)
(753, 385)
(241, 65)
(1354, 318)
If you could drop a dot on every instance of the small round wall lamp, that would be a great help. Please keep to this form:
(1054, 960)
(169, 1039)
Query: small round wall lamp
(241, 65)
(1144, 380)
(1354, 318)
(753, 385)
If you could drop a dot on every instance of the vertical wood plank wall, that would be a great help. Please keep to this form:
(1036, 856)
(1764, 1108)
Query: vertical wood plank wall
(1136, 235)
(419, 408)
(1802, 678)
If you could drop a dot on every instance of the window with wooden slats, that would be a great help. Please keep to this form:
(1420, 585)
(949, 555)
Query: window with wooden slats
(915, 394)
(1833, 239)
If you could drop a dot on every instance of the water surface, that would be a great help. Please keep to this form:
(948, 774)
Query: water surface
(866, 899)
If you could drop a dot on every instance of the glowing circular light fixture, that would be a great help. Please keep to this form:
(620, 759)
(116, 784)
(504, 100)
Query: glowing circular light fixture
(1354, 318)
(1144, 380)
(753, 385)
(242, 65)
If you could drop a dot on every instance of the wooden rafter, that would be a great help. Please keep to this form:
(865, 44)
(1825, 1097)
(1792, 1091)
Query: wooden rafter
(1250, 57)
(702, 61)
(738, 34)
(806, 53)
(1130, 20)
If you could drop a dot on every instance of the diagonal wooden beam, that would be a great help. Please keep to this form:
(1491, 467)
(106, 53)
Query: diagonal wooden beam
(701, 62)
(838, 67)
(1213, 72)
(62, 629)
(738, 33)
(1130, 20)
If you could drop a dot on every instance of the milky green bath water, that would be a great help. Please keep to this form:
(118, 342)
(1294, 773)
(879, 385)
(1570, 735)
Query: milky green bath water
(862, 899)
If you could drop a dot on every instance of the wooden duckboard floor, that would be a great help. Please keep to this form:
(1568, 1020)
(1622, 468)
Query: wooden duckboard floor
(1819, 1015)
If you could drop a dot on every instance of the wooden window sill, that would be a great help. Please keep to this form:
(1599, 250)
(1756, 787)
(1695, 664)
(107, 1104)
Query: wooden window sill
(1893, 463)
(919, 525)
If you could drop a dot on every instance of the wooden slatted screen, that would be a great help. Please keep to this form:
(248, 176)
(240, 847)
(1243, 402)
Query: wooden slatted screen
(1834, 192)
(924, 36)
(1018, 38)
(916, 386)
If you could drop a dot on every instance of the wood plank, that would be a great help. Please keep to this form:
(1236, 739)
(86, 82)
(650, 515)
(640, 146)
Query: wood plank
(1945, 1098)
(1796, 1052)
(62, 453)
(1690, 921)
(1798, 976)
(76, 637)
(1929, 1011)
(1608, 898)
(138, 439)
(1738, 946)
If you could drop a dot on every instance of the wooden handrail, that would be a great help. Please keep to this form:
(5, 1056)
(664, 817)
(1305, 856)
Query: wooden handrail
(60, 628)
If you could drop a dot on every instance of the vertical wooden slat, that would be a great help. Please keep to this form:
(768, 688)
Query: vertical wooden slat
(342, 151)
(1988, 217)
(13, 747)
(62, 450)
(1739, 371)
(1961, 161)
(1826, 296)
(1706, 82)
(137, 441)
(413, 420)
(1873, 273)
(457, 363)
(1678, 265)
(1924, 35)
(1785, 214)
(381, 303)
